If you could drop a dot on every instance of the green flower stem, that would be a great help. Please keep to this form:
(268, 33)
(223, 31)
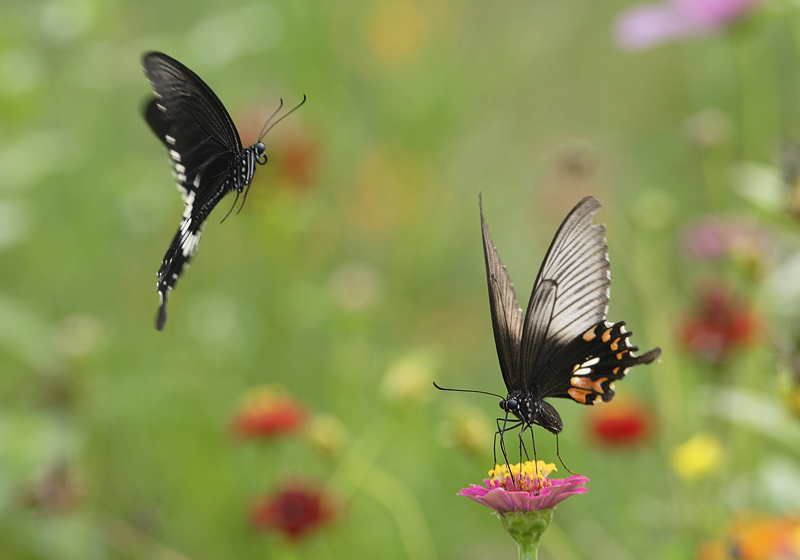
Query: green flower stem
(527, 530)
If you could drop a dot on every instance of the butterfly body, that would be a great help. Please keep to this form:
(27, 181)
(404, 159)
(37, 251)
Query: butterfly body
(562, 346)
(208, 158)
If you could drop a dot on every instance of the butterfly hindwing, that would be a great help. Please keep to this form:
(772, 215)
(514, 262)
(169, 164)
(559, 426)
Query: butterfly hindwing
(588, 366)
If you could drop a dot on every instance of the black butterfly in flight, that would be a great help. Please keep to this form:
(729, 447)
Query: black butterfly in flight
(208, 159)
(562, 346)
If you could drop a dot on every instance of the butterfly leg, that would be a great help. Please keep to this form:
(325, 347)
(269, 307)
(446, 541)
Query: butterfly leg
(501, 430)
(558, 454)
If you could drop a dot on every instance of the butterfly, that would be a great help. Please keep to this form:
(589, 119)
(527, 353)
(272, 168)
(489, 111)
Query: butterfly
(208, 159)
(562, 346)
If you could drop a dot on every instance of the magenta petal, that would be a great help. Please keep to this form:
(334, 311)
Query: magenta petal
(646, 25)
(503, 501)
(713, 13)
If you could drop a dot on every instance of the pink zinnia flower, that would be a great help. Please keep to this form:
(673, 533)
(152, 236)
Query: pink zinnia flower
(523, 497)
(646, 25)
(525, 488)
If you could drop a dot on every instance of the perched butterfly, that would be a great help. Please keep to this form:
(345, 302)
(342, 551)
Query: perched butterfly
(208, 159)
(562, 346)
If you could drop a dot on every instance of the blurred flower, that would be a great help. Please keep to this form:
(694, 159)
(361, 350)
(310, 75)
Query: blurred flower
(758, 538)
(395, 32)
(58, 490)
(295, 510)
(697, 457)
(298, 161)
(267, 412)
(326, 433)
(709, 127)
(81, 335)
(525, 487)
(714, 238)
(408, 380)
(468, 429)
(718, 326)
(523, 497)
(620, 423)
(355, 286)
(645, 25)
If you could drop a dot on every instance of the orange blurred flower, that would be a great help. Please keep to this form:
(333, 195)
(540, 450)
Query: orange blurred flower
(756, 538)
(267, 413)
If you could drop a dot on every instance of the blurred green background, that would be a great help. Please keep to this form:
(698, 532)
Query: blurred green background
(354, 275)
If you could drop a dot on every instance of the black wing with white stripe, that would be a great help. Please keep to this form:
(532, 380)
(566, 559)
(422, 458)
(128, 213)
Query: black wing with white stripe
(207, 157)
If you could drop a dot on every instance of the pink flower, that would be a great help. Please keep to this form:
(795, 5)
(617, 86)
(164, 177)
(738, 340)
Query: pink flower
(524, 489)
(646, 25)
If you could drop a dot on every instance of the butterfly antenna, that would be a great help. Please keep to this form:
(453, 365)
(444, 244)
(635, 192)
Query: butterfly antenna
(269, 120)
(292, 110)
(467, 391)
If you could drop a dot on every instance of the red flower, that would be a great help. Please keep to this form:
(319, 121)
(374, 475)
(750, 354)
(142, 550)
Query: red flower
(268, 413)
(720, 325)
(297, 156)
(624, 423)
(295, 510)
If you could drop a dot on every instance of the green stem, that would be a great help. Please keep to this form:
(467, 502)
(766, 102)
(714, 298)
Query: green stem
(527, 530)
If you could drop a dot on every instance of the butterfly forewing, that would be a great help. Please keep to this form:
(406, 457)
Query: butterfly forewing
(577, 270)
(507, 315)
(189, 103)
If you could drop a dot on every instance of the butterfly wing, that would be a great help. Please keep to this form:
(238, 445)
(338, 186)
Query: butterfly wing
(570, 294)
(587, 367)
(507, 316)
(203, 143)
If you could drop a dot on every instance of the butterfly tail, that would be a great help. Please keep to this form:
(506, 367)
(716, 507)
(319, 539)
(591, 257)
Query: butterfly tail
(161, 318)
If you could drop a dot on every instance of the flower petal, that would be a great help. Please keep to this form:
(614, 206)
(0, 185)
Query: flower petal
(646, 25)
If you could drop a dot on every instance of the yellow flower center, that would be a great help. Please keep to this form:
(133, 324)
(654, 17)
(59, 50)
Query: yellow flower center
(528, 476)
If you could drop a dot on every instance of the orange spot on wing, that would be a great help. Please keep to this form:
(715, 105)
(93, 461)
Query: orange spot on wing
(615, 344)
(606, 335)
(590, 335)
(621, 354)
(579, 395)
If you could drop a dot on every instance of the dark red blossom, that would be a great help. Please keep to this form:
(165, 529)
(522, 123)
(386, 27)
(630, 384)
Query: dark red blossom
(620, 424)
(266, 414)
(295, 510)
(719, 324)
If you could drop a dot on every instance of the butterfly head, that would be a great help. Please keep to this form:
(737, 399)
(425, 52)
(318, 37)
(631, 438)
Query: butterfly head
(261, 153)
(532, 411)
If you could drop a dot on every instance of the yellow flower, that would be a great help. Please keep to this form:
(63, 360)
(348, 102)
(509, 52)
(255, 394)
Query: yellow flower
(697, 457)
(528, 476)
